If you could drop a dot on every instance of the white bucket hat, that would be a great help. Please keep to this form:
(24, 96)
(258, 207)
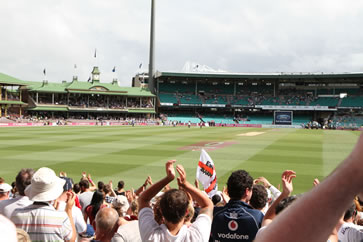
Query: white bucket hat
(45, 186)
(120, 202)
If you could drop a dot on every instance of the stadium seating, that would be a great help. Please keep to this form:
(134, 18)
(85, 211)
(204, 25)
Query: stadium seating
(190, 99)
(177, 87)
(301, 119)
(352, 102)
(325, 101)
(239, 100)
(168, 98)
(218, 119)
(220, 88)
(348, 121)
(216, 100)
(257, 119)
(183, 118)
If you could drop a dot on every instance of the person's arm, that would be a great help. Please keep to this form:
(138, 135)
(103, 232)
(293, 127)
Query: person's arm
(113, 194)
(326, 202)
(147, 195)
(143, 187)
(286, 179)
(275, 192)
(225, 195)
(68, 210)
(204, 202)
(93, 186)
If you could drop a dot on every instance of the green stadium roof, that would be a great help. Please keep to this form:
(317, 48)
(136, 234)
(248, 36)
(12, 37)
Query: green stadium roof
(50, 87)
(107, 89)
(5, 79)
(281, 75)
(89, 88)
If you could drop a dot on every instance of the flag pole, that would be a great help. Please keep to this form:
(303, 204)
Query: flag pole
(151, 53)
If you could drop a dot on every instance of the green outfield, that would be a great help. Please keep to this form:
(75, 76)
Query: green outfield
(132, 153)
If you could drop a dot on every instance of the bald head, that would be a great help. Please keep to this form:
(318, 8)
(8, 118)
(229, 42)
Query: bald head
(106, 222)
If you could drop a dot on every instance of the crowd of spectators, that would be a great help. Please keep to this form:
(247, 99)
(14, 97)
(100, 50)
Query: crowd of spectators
(41, 206)
(46, 117)
(92, 101)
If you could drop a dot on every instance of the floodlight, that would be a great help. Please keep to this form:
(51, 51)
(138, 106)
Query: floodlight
(343, 95)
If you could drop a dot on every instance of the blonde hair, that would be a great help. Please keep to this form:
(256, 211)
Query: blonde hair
(189, 216)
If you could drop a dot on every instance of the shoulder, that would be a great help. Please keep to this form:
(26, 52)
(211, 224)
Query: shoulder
(200, 229)
(351, 231)
(148, 227)
(202, 220)
(145, 210)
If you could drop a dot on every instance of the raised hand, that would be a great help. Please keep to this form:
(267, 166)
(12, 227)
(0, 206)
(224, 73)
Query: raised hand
(225, 195)
(169, 168)
(286, 179)
(182, 179)
(316, 182)
(262, 180)
(71, 197)
(149, 181)
(130, 195)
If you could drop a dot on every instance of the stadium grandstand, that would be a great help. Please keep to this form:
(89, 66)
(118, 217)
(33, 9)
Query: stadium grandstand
(73, 100)
(219, 98)
(334, 99)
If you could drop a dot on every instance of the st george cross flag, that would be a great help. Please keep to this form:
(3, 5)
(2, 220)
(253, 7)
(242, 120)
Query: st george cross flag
(206, 173)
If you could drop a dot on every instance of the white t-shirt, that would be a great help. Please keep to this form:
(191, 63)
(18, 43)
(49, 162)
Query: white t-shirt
(350, 232)
(77, 216)
(150, 230)
(85, 199)
(7, 230)
(7, 207)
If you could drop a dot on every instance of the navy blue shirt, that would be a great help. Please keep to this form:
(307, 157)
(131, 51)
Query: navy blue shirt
(235, 221)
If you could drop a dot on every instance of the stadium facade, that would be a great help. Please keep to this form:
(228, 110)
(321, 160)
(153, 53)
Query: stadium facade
(74, 99)
(254, 98)
(214, 98)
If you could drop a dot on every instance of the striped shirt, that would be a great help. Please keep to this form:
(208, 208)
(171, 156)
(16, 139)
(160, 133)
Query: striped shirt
(43, 223)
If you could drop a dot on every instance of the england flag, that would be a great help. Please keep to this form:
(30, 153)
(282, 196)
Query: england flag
(206, 173)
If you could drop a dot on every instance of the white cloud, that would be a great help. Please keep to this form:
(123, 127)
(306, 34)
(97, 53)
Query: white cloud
(234, 35)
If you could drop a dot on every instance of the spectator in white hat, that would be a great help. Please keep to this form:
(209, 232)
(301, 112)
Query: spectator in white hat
(5, 191)
(41, 220)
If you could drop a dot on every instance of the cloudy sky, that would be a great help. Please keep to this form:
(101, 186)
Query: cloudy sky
(232, 35)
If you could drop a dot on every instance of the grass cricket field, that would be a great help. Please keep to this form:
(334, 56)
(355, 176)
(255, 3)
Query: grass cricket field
(132, 153)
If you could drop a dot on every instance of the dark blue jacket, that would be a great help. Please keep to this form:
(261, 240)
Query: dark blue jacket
(237, 221)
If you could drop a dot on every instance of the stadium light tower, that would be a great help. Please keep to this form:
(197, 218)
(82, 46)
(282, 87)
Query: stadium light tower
(151, 52)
